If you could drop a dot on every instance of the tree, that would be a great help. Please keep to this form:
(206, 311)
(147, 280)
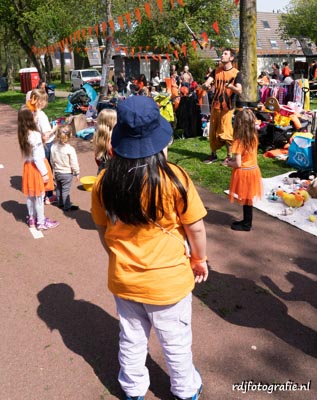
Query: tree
(298, 20)
(247, 51)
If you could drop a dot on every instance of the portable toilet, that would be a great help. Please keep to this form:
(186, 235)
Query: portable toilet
(29, 79)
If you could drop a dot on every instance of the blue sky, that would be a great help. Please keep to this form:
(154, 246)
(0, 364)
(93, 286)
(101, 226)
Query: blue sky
(270, 5)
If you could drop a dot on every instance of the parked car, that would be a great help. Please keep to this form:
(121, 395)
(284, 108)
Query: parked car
(81, 76)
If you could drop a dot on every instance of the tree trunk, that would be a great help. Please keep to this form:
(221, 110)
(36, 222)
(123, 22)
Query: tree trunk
(107, 53)
(9, 67)
(247, 52)
(62, 58)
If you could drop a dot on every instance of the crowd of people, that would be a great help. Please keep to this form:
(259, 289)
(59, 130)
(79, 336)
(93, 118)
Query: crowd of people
(141, 197)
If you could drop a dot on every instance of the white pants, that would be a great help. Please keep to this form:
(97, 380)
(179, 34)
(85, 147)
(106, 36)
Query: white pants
(172, 325)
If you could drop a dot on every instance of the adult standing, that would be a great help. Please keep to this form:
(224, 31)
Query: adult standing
(227, 81)
(186, 77)
(144, 207)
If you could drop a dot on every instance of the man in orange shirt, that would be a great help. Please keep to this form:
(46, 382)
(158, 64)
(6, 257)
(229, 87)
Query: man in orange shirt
(286, 70)
(228, 84)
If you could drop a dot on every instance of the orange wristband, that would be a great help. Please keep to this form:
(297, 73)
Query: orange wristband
(199, 260)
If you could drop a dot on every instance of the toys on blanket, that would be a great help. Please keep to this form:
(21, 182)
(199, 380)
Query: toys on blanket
(294, 200)
(312, 188)
(272, 195)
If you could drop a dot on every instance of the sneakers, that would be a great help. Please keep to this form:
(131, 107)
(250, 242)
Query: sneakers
(31, 222)
(194, 397)
(134, 398)
(211, 159)
(50, 200)
(48, 224)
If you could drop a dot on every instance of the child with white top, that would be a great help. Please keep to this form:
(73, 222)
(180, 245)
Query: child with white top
(65, 165)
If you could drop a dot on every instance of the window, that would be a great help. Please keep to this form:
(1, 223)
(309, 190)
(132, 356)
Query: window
(266, 25)
(274, 44)
(258, 42)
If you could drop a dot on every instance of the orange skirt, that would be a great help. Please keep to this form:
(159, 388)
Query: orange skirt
(32, 181)
(246, 185)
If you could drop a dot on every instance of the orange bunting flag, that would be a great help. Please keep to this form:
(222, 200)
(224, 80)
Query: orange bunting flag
(236, 2)
(215, 27)
(104, 27)
(128, 18)
(147, 8)
(176, 54)
(168, 57)
(71, 39)
(181, 3)
(184, 50)
(172, 3)
(111, 25)
(138, 15)
(90, 31)
(120, 22)
(205, 37)
(160, 5)
(132, 51)
(194, 44)
(97, 29)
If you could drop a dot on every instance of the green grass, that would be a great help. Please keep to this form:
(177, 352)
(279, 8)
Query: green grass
(188, 153)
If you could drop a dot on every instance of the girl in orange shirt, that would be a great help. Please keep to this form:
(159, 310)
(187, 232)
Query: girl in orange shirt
(246, 181)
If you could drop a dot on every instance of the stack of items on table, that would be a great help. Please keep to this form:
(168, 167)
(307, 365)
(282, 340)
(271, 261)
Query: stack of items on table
(278, 123)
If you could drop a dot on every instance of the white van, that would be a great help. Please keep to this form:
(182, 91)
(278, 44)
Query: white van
(81, 76)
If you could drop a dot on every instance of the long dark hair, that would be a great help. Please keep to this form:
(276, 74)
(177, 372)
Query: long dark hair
(132, 190)
(26, 123)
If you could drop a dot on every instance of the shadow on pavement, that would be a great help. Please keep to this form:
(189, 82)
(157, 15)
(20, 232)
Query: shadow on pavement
(241, 302)
(89, 331)
(18, 210)
(16, 182)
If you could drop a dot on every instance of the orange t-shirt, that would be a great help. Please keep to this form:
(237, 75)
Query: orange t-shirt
(146, 264)
(248, 158)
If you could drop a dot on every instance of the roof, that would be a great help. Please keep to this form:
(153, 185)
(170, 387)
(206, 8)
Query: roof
(270, 42)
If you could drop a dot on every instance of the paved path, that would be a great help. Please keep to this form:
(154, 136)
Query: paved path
(255, 318)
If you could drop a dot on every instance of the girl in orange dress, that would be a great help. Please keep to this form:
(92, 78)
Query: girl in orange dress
(37, 175)
(246, 180)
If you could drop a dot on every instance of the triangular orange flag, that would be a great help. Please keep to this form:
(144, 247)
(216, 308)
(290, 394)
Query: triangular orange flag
(184, 49)
(176, 54)
(120, 22)
(181, 3)
(104, 27)
(172, 3)
(236, 2)
(90, 30)
(194, 44)
(132, 51)
(205, 37)
(111, 25)
(97, 29)
(138, 15)
(147, 8)
(128, 18)
(160, 5)
(215, 27)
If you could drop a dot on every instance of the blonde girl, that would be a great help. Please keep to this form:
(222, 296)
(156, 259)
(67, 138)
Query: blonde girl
(37, 175)
(65, 166)
(106, 120)
(246, 181)
(37, 102)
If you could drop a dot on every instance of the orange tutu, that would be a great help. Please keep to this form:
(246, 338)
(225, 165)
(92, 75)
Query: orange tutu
(32, 181)
(246, 185)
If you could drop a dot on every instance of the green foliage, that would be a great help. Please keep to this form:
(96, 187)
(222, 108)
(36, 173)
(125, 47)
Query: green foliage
(298, 20)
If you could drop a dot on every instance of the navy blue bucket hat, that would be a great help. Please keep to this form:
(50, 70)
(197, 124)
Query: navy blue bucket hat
(140, 131)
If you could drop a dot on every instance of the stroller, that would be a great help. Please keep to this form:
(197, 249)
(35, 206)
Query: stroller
(79, 101)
